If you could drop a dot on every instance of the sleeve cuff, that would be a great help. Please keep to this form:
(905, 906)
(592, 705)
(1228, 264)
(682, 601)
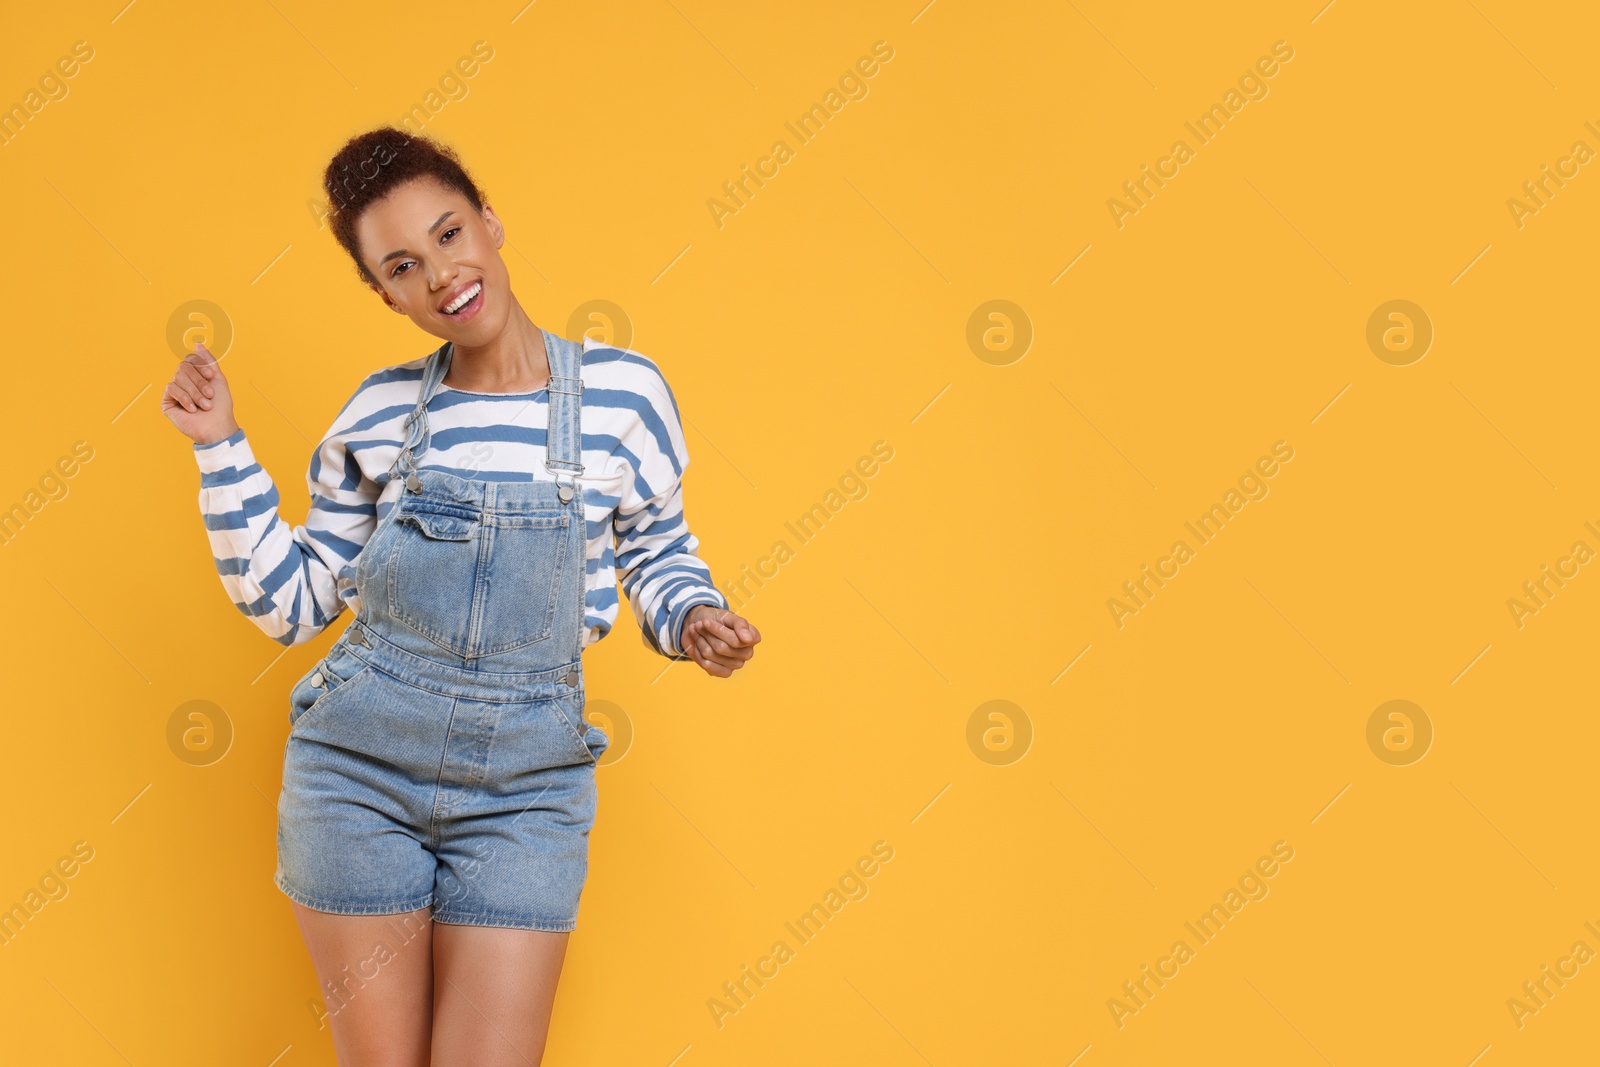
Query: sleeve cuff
(680, 616)
(231, 451)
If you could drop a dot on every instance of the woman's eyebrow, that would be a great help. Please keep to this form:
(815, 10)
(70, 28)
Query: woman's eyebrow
(436, 224)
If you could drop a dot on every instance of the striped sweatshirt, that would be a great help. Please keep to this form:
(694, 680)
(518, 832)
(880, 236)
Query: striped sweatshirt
(292, 581)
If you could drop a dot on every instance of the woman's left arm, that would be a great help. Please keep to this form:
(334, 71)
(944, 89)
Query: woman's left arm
(681, 613)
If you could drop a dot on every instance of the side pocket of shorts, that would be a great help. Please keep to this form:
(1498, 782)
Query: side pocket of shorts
(569, 709)
(334, 673)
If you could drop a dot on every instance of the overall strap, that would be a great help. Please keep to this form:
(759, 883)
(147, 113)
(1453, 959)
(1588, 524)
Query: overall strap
(564, 438)
(416, 432)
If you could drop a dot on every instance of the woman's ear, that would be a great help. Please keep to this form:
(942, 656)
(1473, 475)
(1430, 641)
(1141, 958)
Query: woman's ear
(389, 303)
(491, 222)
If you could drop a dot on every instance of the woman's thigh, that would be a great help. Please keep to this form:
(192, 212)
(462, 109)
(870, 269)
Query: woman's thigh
(376, 974)
(493, 991)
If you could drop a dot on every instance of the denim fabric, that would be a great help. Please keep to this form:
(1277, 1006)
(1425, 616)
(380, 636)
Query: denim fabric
(438, 755)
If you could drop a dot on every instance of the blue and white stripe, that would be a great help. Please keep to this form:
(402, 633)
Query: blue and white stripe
(292, 581)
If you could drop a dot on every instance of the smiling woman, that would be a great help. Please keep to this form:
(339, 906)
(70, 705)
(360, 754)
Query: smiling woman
(480, 509)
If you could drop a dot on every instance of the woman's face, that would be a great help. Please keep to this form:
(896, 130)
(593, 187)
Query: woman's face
(427, 247)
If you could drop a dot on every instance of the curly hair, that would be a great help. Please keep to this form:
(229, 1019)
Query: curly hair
(373, 164)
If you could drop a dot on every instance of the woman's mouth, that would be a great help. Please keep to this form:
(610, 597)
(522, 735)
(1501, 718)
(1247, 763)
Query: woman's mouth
(467, 304)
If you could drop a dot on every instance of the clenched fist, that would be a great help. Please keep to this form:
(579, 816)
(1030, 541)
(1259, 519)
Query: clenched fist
(197, 399)
(720, 641)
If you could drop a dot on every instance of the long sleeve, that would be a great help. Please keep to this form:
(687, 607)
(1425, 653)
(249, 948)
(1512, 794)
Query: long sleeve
(659, 571)
(290, 581)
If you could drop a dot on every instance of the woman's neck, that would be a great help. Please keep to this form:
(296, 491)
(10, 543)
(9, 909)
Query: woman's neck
(514, 362)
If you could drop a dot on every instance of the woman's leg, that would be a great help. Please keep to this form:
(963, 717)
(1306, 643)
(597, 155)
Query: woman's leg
(493, 992)
(376, 974)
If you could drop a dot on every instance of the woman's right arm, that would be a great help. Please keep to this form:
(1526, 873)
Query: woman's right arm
(291, 581)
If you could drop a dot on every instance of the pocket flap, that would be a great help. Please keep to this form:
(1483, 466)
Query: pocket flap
(441, 525)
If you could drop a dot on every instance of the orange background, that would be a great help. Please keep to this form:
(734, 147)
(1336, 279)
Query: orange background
(1041, 859)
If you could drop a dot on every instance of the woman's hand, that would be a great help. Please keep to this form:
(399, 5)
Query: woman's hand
(718, 640)
(198, 401)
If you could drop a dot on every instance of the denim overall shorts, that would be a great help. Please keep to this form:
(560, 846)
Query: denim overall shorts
(438, 754)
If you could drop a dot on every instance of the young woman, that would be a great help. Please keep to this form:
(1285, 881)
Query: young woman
(473, 507)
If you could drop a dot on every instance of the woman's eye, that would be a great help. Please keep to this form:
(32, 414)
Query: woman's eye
(447, 234)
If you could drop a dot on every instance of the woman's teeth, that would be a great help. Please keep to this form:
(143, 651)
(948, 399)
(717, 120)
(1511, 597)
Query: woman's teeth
(464, 299)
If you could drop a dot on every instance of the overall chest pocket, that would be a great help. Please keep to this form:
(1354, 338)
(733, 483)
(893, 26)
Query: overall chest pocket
(526, 573)
(476, 588)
